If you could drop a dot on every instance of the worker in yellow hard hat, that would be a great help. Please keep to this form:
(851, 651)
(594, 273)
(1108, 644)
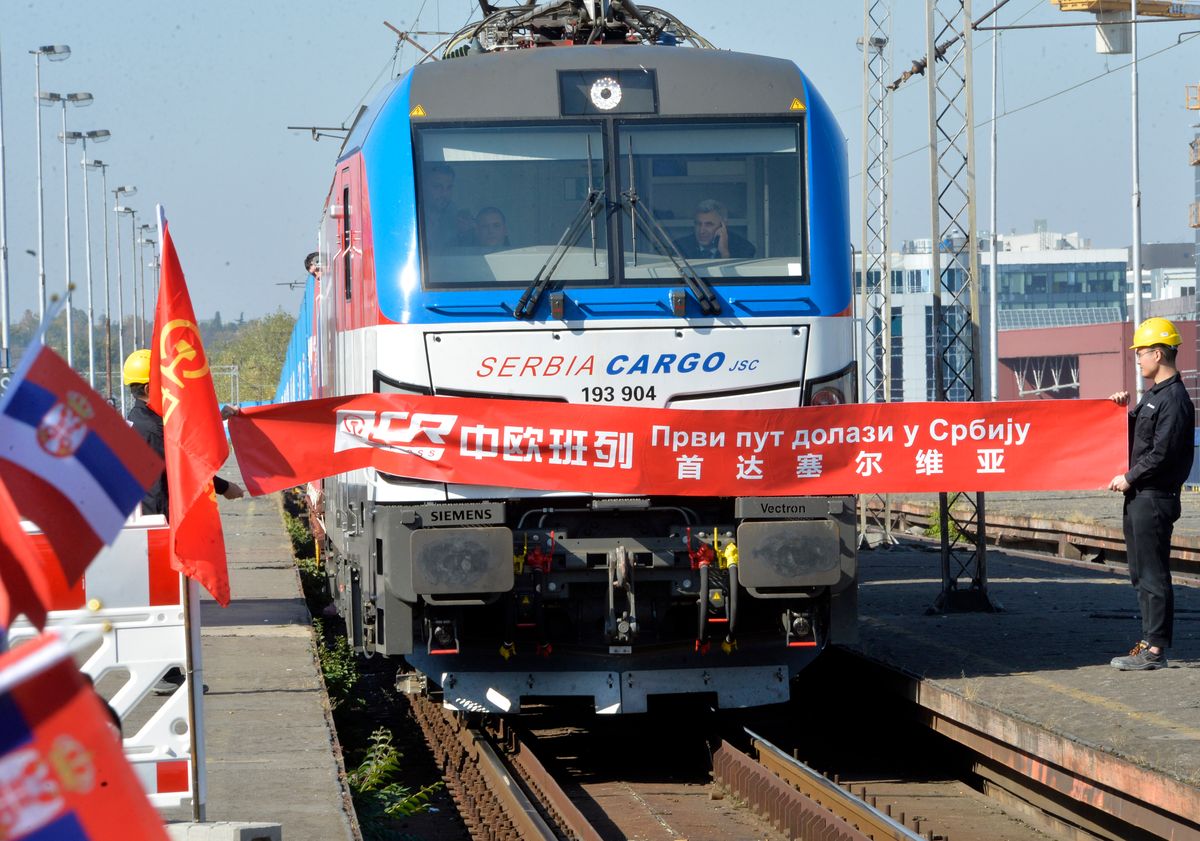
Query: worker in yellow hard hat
(147, 423)
(1161, 435)
(136, 375)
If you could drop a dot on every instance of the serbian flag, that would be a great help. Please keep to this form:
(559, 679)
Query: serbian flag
(24, 585)
(71, 462)
(181, 391)
(63, 774)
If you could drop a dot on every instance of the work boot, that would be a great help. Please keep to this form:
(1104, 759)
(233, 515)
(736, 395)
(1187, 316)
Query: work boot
(1140, 658)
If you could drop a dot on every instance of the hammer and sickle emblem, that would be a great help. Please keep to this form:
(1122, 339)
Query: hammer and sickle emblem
(182, 358)
(185, 348)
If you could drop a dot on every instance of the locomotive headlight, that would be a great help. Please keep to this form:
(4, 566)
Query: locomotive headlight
(606, 93)
(837, 388)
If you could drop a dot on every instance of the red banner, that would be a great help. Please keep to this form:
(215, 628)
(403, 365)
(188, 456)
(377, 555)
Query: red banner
(866, 448)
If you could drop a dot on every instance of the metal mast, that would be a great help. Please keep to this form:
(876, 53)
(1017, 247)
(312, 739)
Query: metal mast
(954, 277)
(875, 309)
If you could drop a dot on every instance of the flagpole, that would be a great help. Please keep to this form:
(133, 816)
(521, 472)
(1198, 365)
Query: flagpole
(194, 668)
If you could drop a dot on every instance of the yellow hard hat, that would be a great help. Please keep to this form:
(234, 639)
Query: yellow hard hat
(137, 367)
(1155, 331)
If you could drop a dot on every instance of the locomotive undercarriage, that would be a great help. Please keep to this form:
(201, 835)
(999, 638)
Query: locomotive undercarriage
(617, 599)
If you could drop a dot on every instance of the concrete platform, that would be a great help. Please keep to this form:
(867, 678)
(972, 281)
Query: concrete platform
(1038, 674)
(272, 756)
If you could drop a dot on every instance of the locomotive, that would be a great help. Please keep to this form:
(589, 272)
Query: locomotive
(584, 202)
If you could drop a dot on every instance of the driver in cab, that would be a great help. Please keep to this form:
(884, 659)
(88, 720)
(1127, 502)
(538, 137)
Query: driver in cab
(711, 238)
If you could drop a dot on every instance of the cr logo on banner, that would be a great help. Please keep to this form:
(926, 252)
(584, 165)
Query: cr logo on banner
(387, 431)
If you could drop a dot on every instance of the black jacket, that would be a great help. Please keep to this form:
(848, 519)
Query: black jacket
(1161, 435)
(690, 247)
(150, 427)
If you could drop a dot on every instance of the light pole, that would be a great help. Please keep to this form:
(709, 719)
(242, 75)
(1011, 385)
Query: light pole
(1136, 249)
(117, 193)
(80, 99)
(103, 167)
(138, 335)
(144, 241)
(96, 136)
(4, 315)
(994, 285)
(155, 264)
(54, 52)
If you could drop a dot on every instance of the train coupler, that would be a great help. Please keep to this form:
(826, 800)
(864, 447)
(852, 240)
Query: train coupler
(508, 650)
(729, 645)
(621, 626)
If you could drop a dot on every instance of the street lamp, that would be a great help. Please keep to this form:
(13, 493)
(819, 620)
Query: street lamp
(103, 167)
(154, 265)
(1135, 256)
(54, 52)
(4, 316)
(117, 193)
(96, 136)
(79, 99)
(144, 241)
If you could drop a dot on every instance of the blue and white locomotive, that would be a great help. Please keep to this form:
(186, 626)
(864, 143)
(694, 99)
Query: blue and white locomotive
(583, 202)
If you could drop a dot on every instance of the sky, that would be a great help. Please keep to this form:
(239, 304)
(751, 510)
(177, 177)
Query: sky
(198, 97)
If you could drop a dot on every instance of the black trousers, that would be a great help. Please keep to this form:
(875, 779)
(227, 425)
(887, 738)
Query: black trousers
(1149, 520)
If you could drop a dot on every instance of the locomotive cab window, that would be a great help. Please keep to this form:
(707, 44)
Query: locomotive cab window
(497, 204)
(727, 199)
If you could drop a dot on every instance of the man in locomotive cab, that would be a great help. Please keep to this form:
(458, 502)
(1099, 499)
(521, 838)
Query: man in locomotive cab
(445, 225)
(711, 237)
(491, 230)
(312, 265)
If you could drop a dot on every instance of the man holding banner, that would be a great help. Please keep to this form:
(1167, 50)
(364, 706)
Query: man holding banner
(1161, 430)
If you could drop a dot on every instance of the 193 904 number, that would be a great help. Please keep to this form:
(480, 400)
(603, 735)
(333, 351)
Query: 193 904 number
(611, 394)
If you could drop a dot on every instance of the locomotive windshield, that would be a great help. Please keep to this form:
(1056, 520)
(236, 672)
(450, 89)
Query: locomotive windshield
(495, 202)
(501, 204)
(728, 199)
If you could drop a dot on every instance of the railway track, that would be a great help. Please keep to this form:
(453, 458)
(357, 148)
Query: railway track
(889, 769)
(898, 767)
(1091, 542)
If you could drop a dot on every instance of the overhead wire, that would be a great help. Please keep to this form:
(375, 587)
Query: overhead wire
(1008, 113)
(391, 68)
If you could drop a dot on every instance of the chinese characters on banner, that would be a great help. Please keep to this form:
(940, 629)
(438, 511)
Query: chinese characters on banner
(866, 448)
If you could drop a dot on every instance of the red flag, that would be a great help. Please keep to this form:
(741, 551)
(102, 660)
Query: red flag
(181, 391)
(63, 774)
(24, 587)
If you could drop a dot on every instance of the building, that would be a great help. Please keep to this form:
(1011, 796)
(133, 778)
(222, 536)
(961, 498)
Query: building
(1038, 273)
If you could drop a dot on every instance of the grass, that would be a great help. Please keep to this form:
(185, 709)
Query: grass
(382, 802)
(376, 793)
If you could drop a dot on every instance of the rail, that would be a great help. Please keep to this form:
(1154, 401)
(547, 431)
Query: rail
(495, 779)
(1074, 541)
(824, 810)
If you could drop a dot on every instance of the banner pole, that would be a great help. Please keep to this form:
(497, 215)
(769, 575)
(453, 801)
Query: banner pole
(195, 681)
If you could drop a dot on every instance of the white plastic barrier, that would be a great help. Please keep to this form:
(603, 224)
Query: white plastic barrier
(132, 601)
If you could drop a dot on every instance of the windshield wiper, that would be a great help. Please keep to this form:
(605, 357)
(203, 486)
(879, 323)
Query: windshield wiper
(592, 204)
(709, 303)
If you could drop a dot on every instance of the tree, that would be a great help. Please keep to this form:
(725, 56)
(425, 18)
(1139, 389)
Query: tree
(258, 350)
